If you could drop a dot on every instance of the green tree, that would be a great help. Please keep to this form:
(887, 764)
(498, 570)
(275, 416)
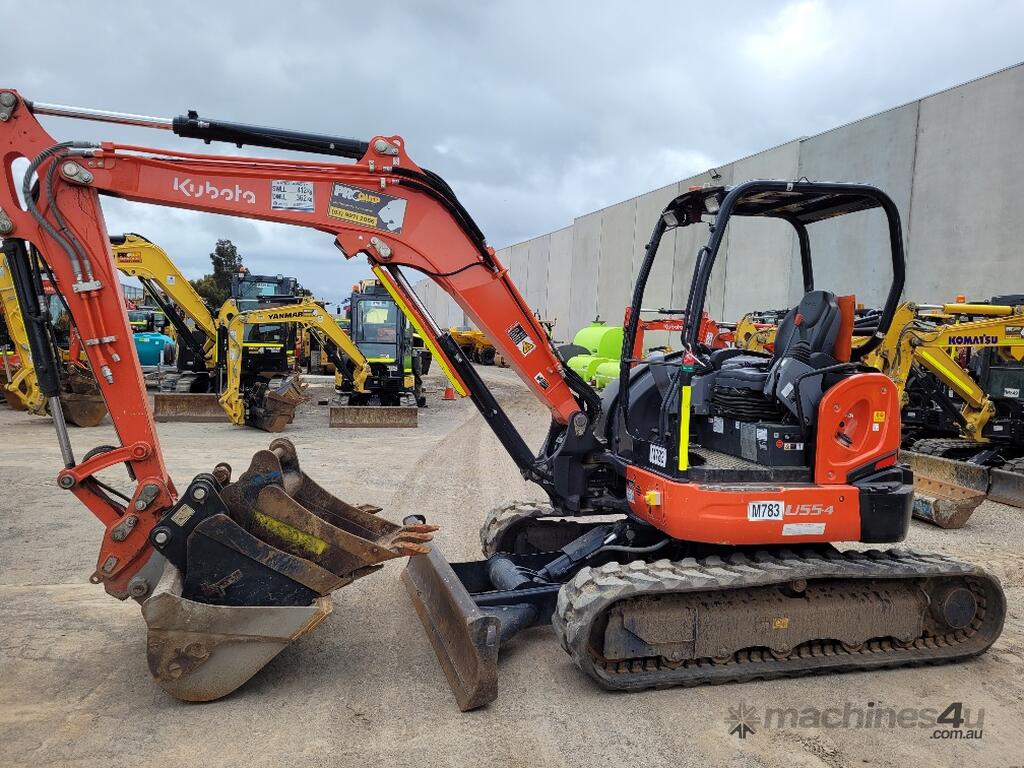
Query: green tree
(215, 287)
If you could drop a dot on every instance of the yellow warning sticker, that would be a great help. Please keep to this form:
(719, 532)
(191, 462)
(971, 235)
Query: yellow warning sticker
(521, 339)
(879, 417)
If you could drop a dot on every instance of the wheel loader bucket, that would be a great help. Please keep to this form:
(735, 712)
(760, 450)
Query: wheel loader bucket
(946, 492)
(188, 407)
(251, 565)
(271, 405)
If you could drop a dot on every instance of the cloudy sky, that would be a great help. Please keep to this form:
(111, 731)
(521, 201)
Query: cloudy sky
(535, 112)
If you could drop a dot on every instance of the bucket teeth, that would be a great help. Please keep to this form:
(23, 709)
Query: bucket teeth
(250, 566)
(278, 503)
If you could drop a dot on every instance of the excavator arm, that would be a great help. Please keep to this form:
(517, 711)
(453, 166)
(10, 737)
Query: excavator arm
(384, 207)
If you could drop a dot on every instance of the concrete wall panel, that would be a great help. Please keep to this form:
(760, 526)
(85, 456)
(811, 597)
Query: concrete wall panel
(583, 283)
(518, 265)
(537, 274)
(658, 291)
(950, 162)
(759, 259)
(966, 229)
(615, 271)
(559, 280)
(850, 253)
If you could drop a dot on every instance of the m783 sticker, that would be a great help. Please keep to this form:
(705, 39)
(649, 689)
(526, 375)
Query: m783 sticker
(366, 208)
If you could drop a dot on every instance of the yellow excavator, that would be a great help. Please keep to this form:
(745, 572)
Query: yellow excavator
(959, 368)
(226, 344)
(272, 407)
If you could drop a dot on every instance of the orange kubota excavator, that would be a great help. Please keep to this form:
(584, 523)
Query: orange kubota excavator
(692, 510)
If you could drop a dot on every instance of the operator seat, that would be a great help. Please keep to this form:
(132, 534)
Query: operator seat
(813, 324)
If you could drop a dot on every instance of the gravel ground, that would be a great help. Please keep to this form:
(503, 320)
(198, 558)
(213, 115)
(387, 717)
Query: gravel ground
(365, 688)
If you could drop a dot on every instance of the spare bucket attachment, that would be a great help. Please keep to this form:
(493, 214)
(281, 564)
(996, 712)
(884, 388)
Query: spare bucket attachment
(250, 566)
(180, 406)
(374, 416)
(270, 405)
(947, 491)
(81, 400)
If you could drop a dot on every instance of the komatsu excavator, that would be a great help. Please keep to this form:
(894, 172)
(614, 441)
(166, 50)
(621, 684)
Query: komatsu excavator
(717, 562)
(925, 352)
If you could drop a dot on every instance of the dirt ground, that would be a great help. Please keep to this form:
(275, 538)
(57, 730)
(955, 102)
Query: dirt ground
(365, 688)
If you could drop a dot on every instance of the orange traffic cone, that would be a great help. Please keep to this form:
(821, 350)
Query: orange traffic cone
(449, 393)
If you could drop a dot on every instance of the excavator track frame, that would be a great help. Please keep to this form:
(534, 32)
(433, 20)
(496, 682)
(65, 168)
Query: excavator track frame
(595, 591)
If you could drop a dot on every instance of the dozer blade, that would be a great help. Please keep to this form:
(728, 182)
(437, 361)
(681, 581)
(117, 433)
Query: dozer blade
(271, 405)
(466, 640)
(1007, 487)
(374, 416)
(946, 492)
(251, 565)
(201, 408)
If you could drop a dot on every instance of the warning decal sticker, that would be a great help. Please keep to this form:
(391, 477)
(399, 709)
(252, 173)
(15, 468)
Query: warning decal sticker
(521, 339)
(368, 209)
(291, 196)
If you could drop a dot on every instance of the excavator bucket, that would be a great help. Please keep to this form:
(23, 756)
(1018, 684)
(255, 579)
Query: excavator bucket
(251, 565)
(14, 401)
(946, 492)
(81, 400)
(271, 404)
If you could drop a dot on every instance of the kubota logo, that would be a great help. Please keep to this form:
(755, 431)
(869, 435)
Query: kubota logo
(196, 190)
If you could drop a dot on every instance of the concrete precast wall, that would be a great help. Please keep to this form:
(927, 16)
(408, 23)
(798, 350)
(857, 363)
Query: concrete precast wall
(615, 266)
(877, 151)
(950, 162)
(583, 281)
(966, 230)
(559, 278)
(534, 292)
